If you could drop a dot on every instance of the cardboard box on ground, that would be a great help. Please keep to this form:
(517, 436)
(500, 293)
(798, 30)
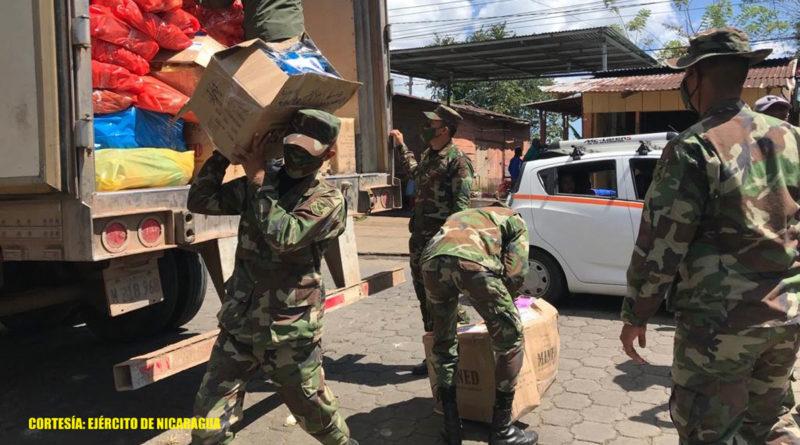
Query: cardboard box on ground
(243, 91)
(475, 385)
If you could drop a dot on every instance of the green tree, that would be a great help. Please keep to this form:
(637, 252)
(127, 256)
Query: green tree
(505, 96)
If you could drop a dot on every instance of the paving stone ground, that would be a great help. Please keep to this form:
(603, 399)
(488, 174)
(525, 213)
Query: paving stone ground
(598, 397)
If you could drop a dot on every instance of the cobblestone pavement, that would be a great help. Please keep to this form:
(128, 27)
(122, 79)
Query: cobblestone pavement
(370, 347)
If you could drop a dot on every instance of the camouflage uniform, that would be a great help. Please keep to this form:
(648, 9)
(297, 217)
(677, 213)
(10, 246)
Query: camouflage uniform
(482, 253)
(271, 316)
(722, 216)
(443, 180)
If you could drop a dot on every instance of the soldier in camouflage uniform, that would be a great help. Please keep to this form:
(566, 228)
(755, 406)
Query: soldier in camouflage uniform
(483, 254)
(443, 179)
(719, 231)
(271, 315)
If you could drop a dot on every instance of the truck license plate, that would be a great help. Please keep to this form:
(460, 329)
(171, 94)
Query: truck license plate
(130, 286)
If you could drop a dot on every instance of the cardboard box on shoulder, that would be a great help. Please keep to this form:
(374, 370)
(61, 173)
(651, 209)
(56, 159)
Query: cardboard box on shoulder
(198, 141)
(182, 70)
(475, 385)
(243, 91)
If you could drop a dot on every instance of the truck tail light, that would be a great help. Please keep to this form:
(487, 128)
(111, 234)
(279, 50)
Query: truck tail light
(151, 231)
(115, 236)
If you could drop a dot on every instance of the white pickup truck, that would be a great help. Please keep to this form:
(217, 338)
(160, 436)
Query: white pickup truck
(582, 202)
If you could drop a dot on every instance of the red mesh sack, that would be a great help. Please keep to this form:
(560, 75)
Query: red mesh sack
(105, 26)
(183, 20)
(117, 55)
(158, 5)
(224, 25)
(162, 98)
(128, 11)
(107, 101)
(151, 24)
(114, 77)
(168, 35)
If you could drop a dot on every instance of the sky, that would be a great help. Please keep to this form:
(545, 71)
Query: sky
(415, 22)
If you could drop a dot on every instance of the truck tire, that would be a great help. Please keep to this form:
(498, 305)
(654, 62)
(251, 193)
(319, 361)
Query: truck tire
(545, 278)
(144, 322)
(192, 284)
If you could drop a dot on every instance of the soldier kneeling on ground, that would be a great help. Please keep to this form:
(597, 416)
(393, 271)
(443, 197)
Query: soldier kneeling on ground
(271, 315)
(483, 254)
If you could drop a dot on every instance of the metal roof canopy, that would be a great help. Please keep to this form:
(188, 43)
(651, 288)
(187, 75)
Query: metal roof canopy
(556, 54)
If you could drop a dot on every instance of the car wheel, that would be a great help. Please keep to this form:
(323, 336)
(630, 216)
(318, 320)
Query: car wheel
(545, 278)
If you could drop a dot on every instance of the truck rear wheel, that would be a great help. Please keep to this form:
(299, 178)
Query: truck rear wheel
(192, 283)
(143, 322)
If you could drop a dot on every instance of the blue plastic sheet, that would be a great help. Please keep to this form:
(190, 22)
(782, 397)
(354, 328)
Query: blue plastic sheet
(134, 128)
(302, 57)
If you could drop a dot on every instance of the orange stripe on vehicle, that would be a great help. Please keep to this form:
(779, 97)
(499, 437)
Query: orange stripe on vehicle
(574, 200)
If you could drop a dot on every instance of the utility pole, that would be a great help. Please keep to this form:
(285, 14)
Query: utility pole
(410, 85)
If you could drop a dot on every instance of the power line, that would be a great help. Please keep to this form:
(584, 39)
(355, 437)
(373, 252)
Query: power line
(509, 20)
(447, 3)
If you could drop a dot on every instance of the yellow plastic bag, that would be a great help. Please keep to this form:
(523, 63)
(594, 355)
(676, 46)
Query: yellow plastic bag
(133, 168)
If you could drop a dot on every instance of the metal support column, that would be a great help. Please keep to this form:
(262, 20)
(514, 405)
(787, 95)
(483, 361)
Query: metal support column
(542, 127)
(605, 56)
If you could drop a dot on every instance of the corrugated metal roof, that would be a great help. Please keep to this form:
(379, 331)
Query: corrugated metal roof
(467, 109)
(572, 52)
(771, 73)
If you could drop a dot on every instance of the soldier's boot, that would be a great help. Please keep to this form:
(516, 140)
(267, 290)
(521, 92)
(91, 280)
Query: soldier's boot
(451, 432)
(421, 369)
(504, 432)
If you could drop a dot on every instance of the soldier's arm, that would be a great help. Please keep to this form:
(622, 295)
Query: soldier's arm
(321, 217)
(408, 162)
(209, 196)
(462, 184)
(672, 210)
(515, 253)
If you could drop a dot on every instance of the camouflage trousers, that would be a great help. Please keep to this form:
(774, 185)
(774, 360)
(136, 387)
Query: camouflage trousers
(298, 374)
(416, 244)
(733, 386)
(446, 277)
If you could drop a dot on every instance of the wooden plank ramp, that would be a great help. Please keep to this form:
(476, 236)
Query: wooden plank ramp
(145, 369)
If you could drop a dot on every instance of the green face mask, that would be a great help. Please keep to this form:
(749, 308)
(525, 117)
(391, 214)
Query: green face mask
(428, 133)
(299, 163)
(686, 96)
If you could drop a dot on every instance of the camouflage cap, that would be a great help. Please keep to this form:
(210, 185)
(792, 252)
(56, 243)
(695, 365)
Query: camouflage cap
(313, 130)
(714, 42)
(444, 113)
(769, 100)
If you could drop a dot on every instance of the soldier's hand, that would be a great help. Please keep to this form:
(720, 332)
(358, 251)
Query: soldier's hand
(397, 138)
(252, 160)
(628, 335)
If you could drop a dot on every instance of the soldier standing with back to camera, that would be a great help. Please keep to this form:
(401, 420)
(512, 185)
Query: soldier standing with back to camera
(722, 214)
(482, 253)
(443, 179)
(271, 315)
